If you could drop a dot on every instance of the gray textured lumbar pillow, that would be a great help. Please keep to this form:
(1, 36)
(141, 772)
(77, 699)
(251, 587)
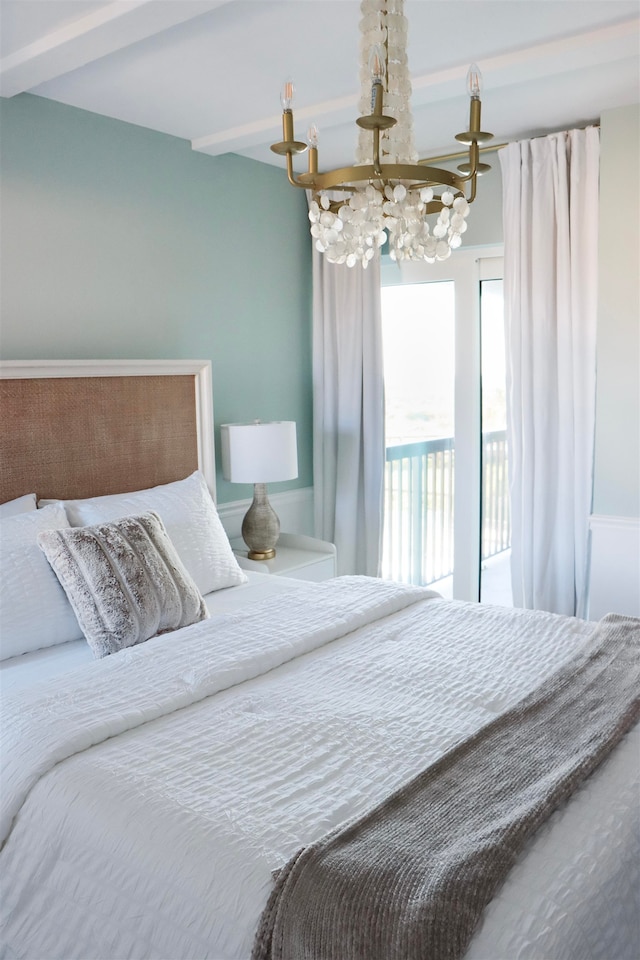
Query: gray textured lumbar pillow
(124, 580)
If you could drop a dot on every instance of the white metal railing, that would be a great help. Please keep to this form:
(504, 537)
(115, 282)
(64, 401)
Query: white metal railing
(418, 527)
(496, 519)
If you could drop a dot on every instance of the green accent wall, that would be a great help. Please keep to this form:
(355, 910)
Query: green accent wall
(120, 242)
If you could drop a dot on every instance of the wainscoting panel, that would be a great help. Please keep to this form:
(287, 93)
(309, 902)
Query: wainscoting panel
(615, 566)
(294, 508)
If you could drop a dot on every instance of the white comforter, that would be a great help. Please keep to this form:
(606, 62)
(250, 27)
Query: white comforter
(147, 798)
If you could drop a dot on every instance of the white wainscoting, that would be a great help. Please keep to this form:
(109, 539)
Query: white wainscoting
(614, 582)
(294, 508)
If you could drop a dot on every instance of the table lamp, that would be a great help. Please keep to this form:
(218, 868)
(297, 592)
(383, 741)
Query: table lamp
(259, 453)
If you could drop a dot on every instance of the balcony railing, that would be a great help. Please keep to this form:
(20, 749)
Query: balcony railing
(418, 529)
(496, 520)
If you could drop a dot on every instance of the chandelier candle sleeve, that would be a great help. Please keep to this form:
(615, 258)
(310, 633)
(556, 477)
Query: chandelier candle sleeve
(387, 194)
(259, 453)
(312, 138)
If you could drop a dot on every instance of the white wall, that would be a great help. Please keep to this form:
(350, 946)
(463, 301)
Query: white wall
(617, 459)
(615, 524)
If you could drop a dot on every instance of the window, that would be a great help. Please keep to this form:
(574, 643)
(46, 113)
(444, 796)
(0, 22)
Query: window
(418, 330)
(446, 450)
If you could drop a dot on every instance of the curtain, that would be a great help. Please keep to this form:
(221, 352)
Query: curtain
(550, 192)
(348, 398)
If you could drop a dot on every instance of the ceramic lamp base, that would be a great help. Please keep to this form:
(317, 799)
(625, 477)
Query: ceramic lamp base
(261, 526)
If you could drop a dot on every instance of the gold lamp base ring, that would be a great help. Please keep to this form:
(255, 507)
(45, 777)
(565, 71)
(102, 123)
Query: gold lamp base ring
(261, 554)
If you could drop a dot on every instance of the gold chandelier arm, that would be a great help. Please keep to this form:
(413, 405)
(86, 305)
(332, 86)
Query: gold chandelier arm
(288, 146)
(417, 174)
(292, 177)
(474, 157)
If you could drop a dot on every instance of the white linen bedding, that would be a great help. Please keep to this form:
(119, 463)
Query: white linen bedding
(155, 791)
(18, 673)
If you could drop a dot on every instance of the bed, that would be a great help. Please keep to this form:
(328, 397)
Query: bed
(152, 797)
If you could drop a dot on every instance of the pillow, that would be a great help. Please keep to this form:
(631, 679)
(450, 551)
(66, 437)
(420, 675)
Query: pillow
(124, 580)
(34, 611)
(190, 519)
(12, 508)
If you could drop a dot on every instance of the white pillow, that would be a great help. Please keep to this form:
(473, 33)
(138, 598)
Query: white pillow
(190, 518)
(34, 610)
(12, 508)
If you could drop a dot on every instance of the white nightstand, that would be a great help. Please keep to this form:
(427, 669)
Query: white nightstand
(303, 558)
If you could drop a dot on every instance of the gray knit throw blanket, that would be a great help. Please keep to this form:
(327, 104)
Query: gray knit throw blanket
(409, 879)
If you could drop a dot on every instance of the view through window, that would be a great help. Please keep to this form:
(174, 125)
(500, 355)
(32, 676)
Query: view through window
(418, 325)
(419, 344)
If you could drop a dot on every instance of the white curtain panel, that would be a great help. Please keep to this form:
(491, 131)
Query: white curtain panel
(348, 398)
(550, 192)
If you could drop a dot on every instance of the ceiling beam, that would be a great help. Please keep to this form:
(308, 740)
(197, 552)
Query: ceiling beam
(603, 45)
(109, 28)
(339, 110)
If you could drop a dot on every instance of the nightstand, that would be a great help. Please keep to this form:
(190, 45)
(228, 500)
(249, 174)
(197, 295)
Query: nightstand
(303, 558)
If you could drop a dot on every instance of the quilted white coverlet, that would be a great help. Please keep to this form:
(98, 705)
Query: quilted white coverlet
(147, 797)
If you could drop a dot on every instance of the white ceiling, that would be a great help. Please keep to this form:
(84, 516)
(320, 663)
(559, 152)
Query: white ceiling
(211, 72)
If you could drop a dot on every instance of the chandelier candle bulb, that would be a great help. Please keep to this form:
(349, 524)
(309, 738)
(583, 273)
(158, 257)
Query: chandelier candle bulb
(286, 98)
(377, 64)
(387, 194)
(474, 135)
(288, 146)
(474, 82)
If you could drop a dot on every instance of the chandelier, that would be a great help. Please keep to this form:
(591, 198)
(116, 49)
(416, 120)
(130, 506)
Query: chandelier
(388, 194)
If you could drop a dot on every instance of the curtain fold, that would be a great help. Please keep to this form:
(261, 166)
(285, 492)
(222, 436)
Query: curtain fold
(550, 193)
(348, 400)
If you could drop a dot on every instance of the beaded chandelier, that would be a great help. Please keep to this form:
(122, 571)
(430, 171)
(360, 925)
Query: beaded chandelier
(388, 194)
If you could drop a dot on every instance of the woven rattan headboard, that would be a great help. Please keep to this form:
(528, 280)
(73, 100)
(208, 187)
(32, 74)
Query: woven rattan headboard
(83, 428)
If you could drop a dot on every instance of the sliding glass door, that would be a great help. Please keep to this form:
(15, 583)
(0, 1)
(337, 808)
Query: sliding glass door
(435, 508)
(495, 542)
(418, 328)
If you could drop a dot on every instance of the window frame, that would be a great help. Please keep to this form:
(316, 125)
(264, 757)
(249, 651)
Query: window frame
(466, 268)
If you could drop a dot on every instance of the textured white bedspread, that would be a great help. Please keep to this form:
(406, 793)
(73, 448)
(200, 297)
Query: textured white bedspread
(147, 797)
(18, 673)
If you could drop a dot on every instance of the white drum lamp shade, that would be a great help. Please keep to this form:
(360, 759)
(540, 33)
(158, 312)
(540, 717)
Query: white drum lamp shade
(260, 453)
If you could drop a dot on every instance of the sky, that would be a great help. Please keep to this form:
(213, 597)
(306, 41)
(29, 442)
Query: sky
(419, 359)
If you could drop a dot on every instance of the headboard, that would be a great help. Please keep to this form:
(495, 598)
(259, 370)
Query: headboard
(83, 428)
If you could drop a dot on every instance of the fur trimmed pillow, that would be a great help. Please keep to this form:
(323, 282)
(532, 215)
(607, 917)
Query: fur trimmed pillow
(124, 580)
